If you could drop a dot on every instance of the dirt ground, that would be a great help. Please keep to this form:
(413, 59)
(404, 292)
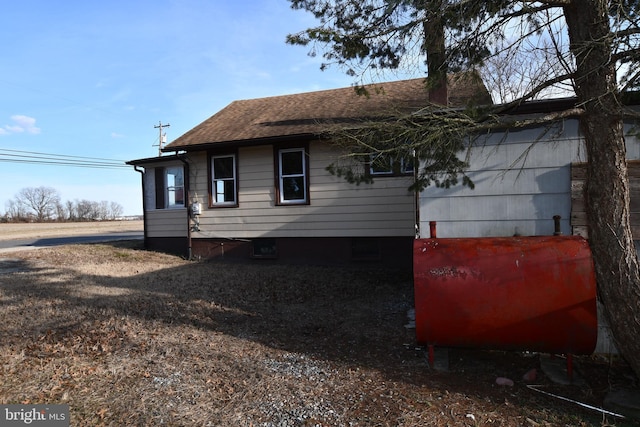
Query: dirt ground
(130, 337)
(9, 231)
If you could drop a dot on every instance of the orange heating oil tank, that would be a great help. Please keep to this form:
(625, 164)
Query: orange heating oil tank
(506, 293)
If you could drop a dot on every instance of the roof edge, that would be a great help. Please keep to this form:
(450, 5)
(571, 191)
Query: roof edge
(243, 142)
(158, 159)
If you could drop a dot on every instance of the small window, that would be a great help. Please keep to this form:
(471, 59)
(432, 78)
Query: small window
(264, 248)
(224, 180)
(383, 165)
(407, 165)
(292, 176)
(174, 181)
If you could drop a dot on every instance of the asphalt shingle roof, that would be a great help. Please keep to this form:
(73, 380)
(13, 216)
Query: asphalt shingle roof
(305, 114)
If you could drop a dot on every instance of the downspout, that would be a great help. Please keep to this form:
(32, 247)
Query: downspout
(187, 201)
(144, 204)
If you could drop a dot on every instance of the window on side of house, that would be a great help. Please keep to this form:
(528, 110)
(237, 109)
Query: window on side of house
(169, 187)
(407, 166)
(264, 248)
(174, 179)
(293, 176)
(380, 164)
(224, 180)
(384, 165)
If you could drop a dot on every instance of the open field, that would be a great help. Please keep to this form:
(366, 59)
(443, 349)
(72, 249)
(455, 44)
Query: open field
(54, 229)
(130, 337)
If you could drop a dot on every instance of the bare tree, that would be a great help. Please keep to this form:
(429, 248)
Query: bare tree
(61, 212)
(116, 210)
(15, 212)
(84, 210)
(43, 204)
(102, 210)
(40, 201)
(509, 74)
(71, 210)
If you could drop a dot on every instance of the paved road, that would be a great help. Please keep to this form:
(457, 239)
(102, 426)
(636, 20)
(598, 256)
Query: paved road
(21, 244)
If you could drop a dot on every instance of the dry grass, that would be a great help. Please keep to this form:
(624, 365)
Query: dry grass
(129, 337)
(10, 231)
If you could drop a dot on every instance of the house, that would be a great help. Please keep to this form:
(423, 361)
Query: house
(251, 181)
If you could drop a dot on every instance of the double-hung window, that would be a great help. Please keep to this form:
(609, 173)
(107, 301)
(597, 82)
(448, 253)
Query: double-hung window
(293, 176)
(169, 187)
(224, 179)
(174, 178)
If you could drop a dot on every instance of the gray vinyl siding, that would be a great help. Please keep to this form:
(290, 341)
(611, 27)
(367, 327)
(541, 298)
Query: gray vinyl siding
(522, 179)
(167, 223)
(162, 222)
(336, 208)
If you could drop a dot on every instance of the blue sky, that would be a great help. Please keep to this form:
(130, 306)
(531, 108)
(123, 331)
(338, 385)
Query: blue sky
(92, 79)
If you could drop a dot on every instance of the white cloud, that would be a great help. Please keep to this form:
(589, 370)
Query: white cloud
(21, 124)
(116, 135)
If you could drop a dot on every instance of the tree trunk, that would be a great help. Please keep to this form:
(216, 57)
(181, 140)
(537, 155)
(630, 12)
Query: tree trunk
(607, 189)
(434, 45)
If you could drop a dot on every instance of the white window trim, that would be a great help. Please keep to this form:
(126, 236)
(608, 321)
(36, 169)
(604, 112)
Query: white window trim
(304, 176)
(402, 168)
(167, 188)
(386, 172)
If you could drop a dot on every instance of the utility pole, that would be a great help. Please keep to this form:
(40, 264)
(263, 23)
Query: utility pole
(160, 140)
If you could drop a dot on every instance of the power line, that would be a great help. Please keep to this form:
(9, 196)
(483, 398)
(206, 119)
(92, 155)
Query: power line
(70, 161)
(34, 157)
(61, 155)
(80, 165)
